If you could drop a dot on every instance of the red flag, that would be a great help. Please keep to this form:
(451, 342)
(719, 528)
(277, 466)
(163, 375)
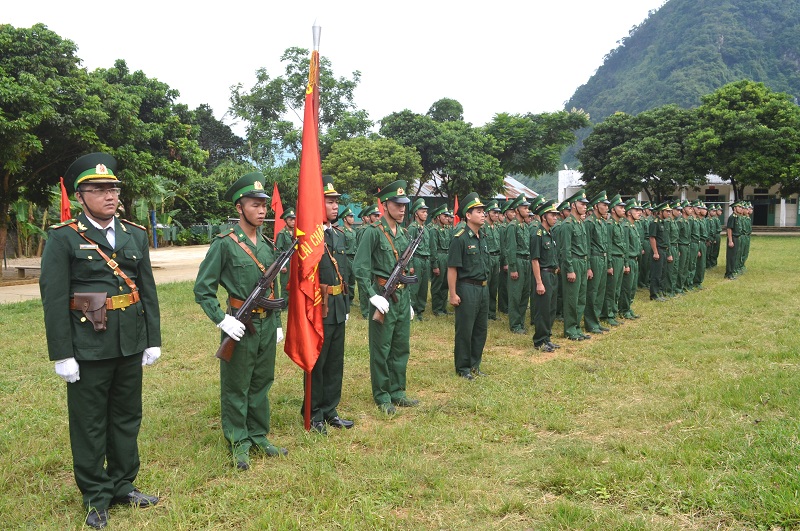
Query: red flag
(380, 205)
(65, 204)
(456, 217)
(277, 208)
(304, 334)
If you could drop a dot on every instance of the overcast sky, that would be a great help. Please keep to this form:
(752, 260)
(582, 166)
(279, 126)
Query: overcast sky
(498, 56)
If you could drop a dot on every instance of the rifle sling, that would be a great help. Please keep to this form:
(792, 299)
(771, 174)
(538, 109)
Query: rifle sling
(109, 262)
(263, 269)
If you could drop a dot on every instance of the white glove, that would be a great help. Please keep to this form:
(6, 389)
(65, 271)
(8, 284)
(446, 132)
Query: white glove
(380, 302)
(68, 369)
(279, 335)
(412, 312)
(346, 317)
(232, 326)
(150, 355)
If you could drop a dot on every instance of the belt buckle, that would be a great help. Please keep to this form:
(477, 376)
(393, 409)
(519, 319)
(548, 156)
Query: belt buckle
(260, 313)
(113, 265)
(336, 290)
(120, 301)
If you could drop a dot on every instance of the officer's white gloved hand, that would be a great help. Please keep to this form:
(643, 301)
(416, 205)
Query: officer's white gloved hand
(380, 302)
(412, 312)
(68, 369)
(232, 326)
(346, 317)
(150, 355)
(279, 335)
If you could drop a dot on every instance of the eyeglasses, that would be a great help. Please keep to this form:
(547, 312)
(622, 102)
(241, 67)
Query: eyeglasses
(102, 191)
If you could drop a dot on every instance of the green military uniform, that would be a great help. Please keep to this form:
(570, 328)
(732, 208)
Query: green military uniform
(694, 248)
(518, 252)
(440, 247)
(544, 251)
(644, 231)
(421, 262)
(350, 241)
(574, 258)
(105, 404)
(533, 225)
(672, 267)
(746, 233)
(684, 225)
(716, 229)
(389, 347)
(597, 233)
(659, 234)
(283, 241)
(469, 256)
(634, 252)
(702, 246)
(502, 288)
(618, 249)
(363, 297)
(563, 208)
(246, 379)
(335, 279)
(492, 232)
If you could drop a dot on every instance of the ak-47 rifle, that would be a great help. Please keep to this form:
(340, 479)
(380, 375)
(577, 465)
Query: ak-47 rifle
(397, 276)
(256, 299)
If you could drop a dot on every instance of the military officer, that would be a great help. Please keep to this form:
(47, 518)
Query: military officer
(440, 246)
(702, 245)
(599, 263)
(381, 246)
(564, 211)
(235, 260)
(733, 229)
(660, 249)
(517, 250)
(716, 235)
(534, 222)
(644, 232)
(335, 279)
(468, 266)
(507, 216)
(574, 266)
(369, 215)
(684, 223)
(102, 324)
(492, 231)
(544, 261)
(422, 258)
(618, 249)
(283, 240)
(634, 253)
(346, 219)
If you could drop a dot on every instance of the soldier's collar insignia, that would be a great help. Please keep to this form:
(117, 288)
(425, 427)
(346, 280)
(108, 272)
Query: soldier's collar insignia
(81, 226)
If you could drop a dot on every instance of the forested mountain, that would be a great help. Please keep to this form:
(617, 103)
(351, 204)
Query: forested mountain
(689, 48)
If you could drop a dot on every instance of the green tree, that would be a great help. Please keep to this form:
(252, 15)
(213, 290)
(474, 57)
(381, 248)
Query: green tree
(273, 109)
(532, 144)
(47, 116)
(215, 137)
(647, 152)
(446, 110)
(361, 165)
(749, 135)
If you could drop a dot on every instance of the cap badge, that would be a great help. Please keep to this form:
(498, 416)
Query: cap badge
(258, 186)
(400, 191)
(101, 169)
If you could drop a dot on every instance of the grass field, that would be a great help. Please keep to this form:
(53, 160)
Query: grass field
(684, 419)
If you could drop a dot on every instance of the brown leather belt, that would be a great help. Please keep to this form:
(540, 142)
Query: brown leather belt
(473, 282)
(257, 312)
(114, 303)
(382, 282)
(334, 290)
(549, 269)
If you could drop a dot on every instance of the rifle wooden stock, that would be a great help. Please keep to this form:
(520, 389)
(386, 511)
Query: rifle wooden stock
(225, 350)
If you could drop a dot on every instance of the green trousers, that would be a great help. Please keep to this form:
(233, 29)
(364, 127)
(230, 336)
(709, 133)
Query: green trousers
(389, 350)
(614, 288)
(419, 291)
(683, 267)
(326, 376)
(439, 289)
(105, 412)
(693, 248)
(671, 271)
(518, 294)
(244, 387)
(658, 284)
(544, 308)
(644, 266)
(731, 257)
(471, 327)
(595, 292)
(629, 283)
(575, 298)
(494, 284)
(700, 271)
(502, 292)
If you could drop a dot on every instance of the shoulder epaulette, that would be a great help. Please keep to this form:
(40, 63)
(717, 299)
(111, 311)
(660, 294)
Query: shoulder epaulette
(459, 233)
(376, 224)
(539, 232)
(338, 228)
(225, 233)
(63, 224)
(132, 224)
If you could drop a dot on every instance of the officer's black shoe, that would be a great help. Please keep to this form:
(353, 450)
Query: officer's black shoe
(135, 498)
(405, 402)
(478, 372)
(242, 465)
(97, 519)
(544, 347)
(319, 427)
(340, 423)
(553, 345)
(467, 376)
